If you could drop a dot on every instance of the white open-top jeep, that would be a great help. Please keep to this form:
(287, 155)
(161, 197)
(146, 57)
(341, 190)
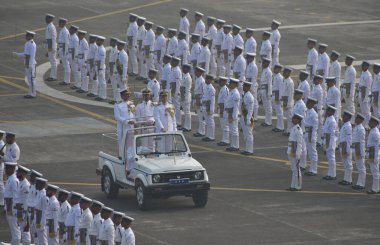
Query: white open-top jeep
(155, 165)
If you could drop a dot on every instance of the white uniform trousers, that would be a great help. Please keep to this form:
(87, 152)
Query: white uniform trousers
(349, 103)
(225, 129)
(41, 236)
(114, 85)
(52, 239)
(234, 131)
(220, 66)
(30, 74)
(141, 58)
(177, 108)
(330, 155)
(158, 67)
(14, 228)
(360, 167)
(201, 121)
(296, 174)
(25, 235)
(247, 135)
(1, 193)
(102, 84)
(187, 115)
(213, 61)
(320, 126)
(288, 116)
(133, 64)
(374, 167)
(93, 78)
(312, 154)
(255, 104)
(275, 57)
(74, 69)
(210, 124)
(83, 77)
(53, 63)
(303, 154)
(66, 69)
(365, 110)
(375, 110)
(279, 113)
(347, 165)
(267, 103)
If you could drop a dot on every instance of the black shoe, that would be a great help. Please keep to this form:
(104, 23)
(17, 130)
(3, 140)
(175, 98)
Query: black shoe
(91, 95)
(310, 174)
(246, 153)
(111, 102)
(266, 125)
(277, 130)
(302, 168)
(81, 91)
(63, 83)
(50, 79)
(209, 139)
(329, 178)
(371, 192)
(344, 182)
(99, 99)
(293, 189)
(285, 134)
(319, 144)
(74, 87)
(179, 127)
(28, 96)
(232, 149)
(358, 187)
(198, 135)
(221, 143)
(186, 130)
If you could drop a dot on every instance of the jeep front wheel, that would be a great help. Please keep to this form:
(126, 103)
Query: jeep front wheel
(200, 198)
(110, 188)
(143, 197)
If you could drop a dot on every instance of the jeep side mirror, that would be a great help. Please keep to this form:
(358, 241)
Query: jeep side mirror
(189, 154)
(136, 159)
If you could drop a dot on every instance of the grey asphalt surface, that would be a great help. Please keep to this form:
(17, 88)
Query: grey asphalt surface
(248, 203)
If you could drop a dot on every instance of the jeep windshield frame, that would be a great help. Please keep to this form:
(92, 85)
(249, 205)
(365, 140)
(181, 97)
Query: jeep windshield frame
(160, 144)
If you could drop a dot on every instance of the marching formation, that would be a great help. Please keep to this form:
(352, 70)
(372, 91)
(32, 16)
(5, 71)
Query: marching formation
(44, 214)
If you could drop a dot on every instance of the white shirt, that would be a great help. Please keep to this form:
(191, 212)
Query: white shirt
(204, 57)
(266, 79)
(73, 217)
(164, 115)
(165, 72)
(41, 204)
(95, 225)
(227, 44)
(64, 209)
(237, 41)
(251, 72)
(52, 211)
(141, 31)
(218, 40)
(295, 135)
(277, 82)
(209, 95)
(345, 135)
(184, 25)
(175, 76)
(86, 219)
(92, 50)
(29, 54)
(239, 67)
(275, 40)
(312, 59)
(311, 120)
(149, 39)
(73, 45)
(211, 34)
(323, 65)
(250, 45)
(12, 153)
(100, 57)
(182, 50)
(160, 45)
(335, 72)
(83, 50)
(333, 97)
(247, 103)
(317, 93)
(349, 78)
(119, 230)
(305, 87)
(266, 49)
(128, 237)
(200, 29)
(123, 113)
(299, 108)
(107, 231)
(195, 51)
(186, 82)
(63, 41)
(51, 34)
(199, 85)
(22, 193)
(222, 96)
(122, 59)
(288, 90)
(144, 112)
(329, 127)
(233, 101)
(172, 46)
(373, 140)
(154, 87)
(365, 81)
(132, 33)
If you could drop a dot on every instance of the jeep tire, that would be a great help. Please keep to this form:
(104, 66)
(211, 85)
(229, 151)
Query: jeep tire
(110, 188)
(200, 198)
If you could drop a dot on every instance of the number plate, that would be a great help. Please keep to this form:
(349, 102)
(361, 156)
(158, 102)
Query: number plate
(179, 181)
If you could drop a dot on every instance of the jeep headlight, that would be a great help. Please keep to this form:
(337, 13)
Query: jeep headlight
(156, 178)
(198, 175)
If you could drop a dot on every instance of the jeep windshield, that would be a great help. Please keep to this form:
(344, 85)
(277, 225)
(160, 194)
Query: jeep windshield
(160, 144)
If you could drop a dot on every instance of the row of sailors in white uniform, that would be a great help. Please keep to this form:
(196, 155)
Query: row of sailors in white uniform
(349, 139)
(47, 214)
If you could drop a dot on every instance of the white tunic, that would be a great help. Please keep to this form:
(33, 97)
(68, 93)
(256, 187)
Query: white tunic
(95, 225)
(311, 120)
(172, 46)
(122, 59)
(227, 44)
(312, 59)
(329, 127)
(277, 82)
(200, 29)
(83, 50)
(237, 41)
(299, 108)
(184, 25)
(182, 50)
(204, 57)
(165, 72)
(358, 136)
(233, 101)
(222, 96)
(251, 72)
(239, 67)
(365, 81)
(250, 45)
(164, 115)
(12, 153)
(333, 97)
(22, 193)
(128, 237)
(149, 39)
(288, 90)
(64, 210)
(195, 52)
(266, 49)
(29, 54)
(247, 104)
(345, 136)
(317, 93)
(86, 219)
(335, 72)
(323, 65)
(211, 34)
(132, 33)
(296, 135)
(73, 46)
(373, 140)
(144, 112)
(160, 45)
(52, 211)
(275, 41)
(186, 82)
(199, 85)
(209, 95)
(154, 87)
(51, 34)
(266, 80)
(107, 232)
(349, 78)
(63, 41)
(100, 57)
(305, 87)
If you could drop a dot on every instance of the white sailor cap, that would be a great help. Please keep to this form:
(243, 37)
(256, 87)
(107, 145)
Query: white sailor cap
(209, 76)
(239, 47)
(184, 10)
(66, 192)
(41, 180)
(276, 22)
(198, 13)
(375, 119)
(2, 132)
(335, 52)
(312, 99)
(323, 45)
(74, 194)
(82, 31)
(312, 40)
(182, 32)
(22, 169)
(63, 19)
(167, 56)
(141, 18)
(114, 39)
(10, 163)
(174, 58)
(251, 55)
(220, 21)
(266, 59)
(93, 36)
(304, 72)
(116, 213)
(52, 187)
(234, 80)
(247, 83)
(187, 66)
(160, 27)
(10, 134)
(227, 26)
(331, 107)
(133, 15)
(318, 77)
(278, 65)
(126, 217)
(172, 30)
(376, 64)
(330, 79)
(211, 18)
(360, 115)
(100, 38)
(236, 27)
(195, 35)
(198, 68)
(249, 29)
(85, 199)
(122, 89)
(35, 173)
(366, 62)
(222, 78)
(267, 33)
(348, 112)
(107, 209)
(120, 42)
(74, 27)
(97, 203)
(153, 70)
(30, 33)
(287, 68)
(298, 91)
(206, 38)
(350, 57)
(49, 15)
(298, 115)
(149, 23)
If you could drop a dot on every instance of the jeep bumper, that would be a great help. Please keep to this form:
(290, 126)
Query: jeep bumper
(177, 190)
